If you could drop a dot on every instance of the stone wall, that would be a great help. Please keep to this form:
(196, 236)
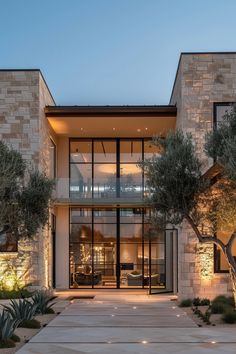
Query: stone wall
(202, 79)
(23, 96)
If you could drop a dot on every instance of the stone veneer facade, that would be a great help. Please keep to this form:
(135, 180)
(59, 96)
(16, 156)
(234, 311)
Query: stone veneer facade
(23, 96)
(201, 80)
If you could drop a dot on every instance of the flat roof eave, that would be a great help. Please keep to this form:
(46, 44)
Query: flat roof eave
(79, 111)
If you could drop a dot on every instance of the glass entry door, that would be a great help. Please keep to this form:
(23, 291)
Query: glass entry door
(166, 271)
(109, 248)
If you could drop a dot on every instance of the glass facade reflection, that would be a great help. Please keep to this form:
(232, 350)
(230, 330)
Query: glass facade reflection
(108, 168)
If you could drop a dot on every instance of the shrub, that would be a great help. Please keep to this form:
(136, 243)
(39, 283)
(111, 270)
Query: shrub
(7, 328)
(229, 316)
(30, 324)
(186, 303)
(218, 307)
(207, 315)
(49, 311)
(205, 302)
(15, 294)
(21, 310)
(15, 338)
(225, 300)
(7, 343)
(42, 299)
(197, 301)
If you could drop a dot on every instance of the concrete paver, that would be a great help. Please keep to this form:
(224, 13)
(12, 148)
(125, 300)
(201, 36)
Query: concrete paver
(131, 324)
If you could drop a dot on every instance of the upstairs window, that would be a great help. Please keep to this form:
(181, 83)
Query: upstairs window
(220, 109)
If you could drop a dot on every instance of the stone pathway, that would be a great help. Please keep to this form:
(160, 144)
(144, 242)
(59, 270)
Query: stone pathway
(128, 324)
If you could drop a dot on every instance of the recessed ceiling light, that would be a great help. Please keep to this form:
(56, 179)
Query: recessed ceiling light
(138, 130)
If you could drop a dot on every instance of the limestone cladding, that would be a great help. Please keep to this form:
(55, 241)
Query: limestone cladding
(201, 80)
(23, 96)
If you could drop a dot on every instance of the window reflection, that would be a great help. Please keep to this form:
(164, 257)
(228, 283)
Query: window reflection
(130, 150)
(81, 215)
(81, 180)
(104, 151)
(150, 149)
(97, 171)
(104, 184)
(81, 151)
(130, 180)
(131, 215)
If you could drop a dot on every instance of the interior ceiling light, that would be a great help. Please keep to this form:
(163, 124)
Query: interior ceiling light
(76, 154)
(138, 130)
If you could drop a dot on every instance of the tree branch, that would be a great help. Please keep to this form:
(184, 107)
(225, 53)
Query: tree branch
(229, 250)
(205, 239)
(3, 231)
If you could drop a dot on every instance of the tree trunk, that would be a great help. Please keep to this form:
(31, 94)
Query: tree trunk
(232, 273)
(225, 248)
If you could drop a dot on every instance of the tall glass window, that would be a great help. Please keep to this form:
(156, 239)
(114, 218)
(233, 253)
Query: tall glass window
(110, 248)
(81, 168)
(108, 168)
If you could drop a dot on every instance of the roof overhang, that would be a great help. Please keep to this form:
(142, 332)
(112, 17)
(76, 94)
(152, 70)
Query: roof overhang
(111, 121)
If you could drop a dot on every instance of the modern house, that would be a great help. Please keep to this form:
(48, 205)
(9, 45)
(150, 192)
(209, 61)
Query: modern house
(96, 237)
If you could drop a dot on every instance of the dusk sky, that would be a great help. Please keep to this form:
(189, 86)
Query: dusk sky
(106, 52)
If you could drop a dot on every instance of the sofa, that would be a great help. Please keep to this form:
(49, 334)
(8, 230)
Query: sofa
(135, 279)
(88, 278)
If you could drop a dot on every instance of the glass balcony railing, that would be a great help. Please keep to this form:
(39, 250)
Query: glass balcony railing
(66, 189)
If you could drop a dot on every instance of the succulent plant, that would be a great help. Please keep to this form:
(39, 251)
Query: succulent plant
(43, 300)
(21, 310)
(7, 326)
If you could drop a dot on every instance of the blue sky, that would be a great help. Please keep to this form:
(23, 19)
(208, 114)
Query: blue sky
(111, 51)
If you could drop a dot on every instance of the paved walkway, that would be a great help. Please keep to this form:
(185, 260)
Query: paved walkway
(134, 324)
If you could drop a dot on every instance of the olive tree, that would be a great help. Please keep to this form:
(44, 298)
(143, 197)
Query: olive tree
(24, 196)
(179, 191)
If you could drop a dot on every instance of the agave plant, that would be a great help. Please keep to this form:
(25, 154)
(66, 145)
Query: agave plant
(42, 299)
(21, 310)
(7, 326)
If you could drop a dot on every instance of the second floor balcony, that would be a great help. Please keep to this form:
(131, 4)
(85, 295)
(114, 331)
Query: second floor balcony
(116, 190)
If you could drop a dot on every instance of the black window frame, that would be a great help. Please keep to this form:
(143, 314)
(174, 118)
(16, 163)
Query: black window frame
(118, 162)
(217, 253)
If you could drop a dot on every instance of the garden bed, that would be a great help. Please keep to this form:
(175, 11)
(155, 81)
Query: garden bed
(215, 318)
(26, 334)
(219, 312)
